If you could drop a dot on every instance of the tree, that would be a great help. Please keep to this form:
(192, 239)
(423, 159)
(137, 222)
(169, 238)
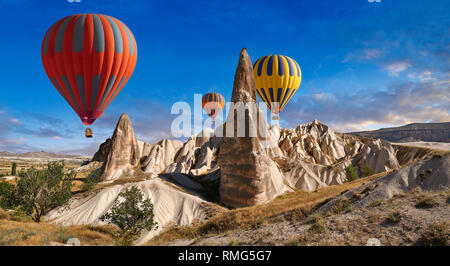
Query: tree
(131, 213)
(6, 195)
(351, 173)
(39, 191)
(14, 169)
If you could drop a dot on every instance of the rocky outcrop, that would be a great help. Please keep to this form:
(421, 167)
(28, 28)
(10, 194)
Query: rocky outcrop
(124, 153)
(102, 154)
(379, 155)
(437, 132)
(432, 175)
(159, 156)
(249, 176)
(198, 156)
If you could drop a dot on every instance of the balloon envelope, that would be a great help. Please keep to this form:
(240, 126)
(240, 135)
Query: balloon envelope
(277, 79)
(89, 58)
(213, 103)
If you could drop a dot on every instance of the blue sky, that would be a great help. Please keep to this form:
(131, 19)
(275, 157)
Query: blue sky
(364, 65)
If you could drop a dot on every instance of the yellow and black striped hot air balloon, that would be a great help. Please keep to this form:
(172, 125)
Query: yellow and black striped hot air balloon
(213, 103)
(277, 78)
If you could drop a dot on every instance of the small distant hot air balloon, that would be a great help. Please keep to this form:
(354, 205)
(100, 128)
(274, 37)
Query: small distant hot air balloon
(277, 78)
(213, 103)
(89, 58)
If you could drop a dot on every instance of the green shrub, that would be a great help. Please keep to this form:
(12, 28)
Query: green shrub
(92, 179)
(341, 206)
(426, 202)
(436, 235)
(394, 217)
(131, 213)
(367, 171)
(351, 173)
(318, 227)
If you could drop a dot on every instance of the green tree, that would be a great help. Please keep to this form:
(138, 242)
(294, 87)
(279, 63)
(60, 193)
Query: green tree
(14, 169)
(351, 173)
(131, 213)
(39, 191)
(6, 195)
(367, 171)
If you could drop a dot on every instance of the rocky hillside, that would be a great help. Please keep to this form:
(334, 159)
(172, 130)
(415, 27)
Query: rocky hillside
(409, 206)
(435, 132)
(195, 180)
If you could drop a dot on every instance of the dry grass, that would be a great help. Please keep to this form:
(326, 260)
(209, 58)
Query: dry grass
(436, 235)
(13, 233)
(301, 201)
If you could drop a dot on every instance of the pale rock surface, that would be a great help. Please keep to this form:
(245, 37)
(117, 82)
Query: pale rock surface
(159, 155)
(171, 206)
(432, 174)
(124, 152)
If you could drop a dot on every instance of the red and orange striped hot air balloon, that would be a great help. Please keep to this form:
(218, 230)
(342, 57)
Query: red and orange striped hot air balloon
(213, 103)
(89, 58)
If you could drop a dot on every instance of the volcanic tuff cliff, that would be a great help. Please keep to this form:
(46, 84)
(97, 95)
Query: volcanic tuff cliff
(437, 132)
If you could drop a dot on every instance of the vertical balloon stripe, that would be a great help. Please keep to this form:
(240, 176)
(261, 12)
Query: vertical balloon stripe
(78, 33)
(259, 94)
(280, 65)
(81, 90)
(272, 99)
(118, 44)
(107, 90)
(130, 40)
(95, 89)
(279, 94)
(99, 36)
(261, 65)
(291, 66)
(59, 42)
(284, 97)
(60, 90)
(298, 69)
(290, 96)
(270, 66)
(69, 89)
(118, 89)
(268, 102)
(47, 37)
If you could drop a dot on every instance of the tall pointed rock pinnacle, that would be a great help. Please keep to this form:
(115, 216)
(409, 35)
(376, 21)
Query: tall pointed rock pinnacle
(248, 175)
(124, 151)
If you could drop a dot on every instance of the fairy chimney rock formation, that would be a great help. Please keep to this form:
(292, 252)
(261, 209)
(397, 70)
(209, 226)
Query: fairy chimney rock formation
(124, 150)
(248, 175)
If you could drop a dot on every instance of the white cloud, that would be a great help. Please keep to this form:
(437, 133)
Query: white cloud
(423, 76)
(15, 121)
(395, 68)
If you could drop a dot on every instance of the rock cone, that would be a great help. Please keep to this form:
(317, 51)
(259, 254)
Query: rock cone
(124, 150)
(248, 174)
